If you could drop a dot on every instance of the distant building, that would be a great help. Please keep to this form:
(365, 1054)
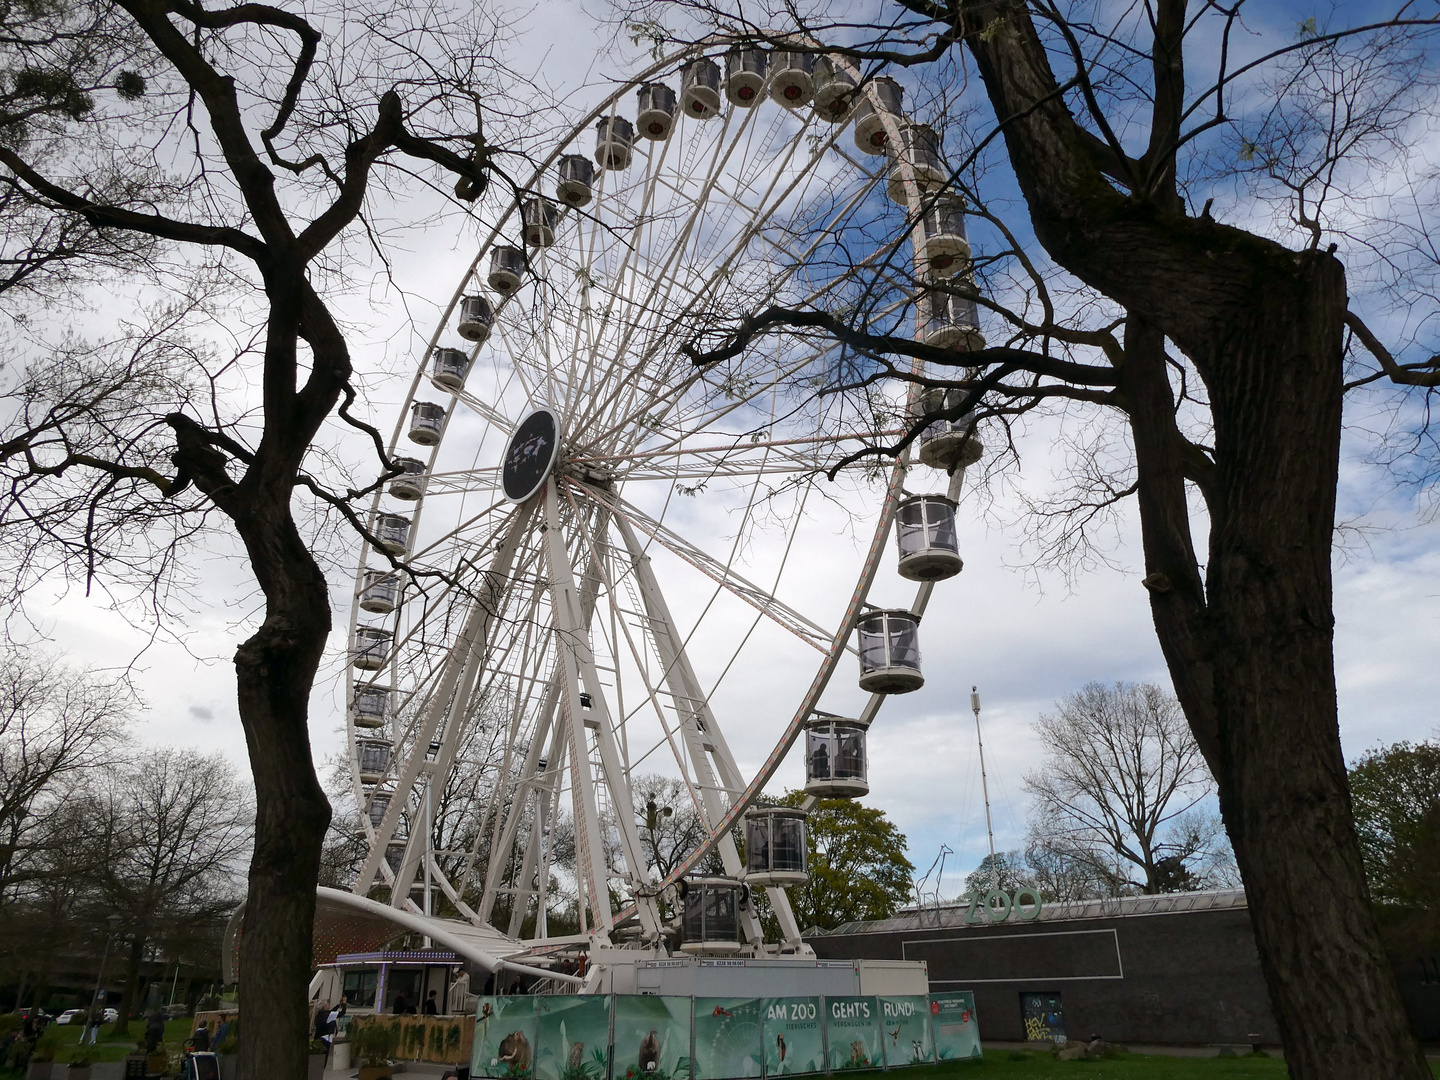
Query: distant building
(1180, 968)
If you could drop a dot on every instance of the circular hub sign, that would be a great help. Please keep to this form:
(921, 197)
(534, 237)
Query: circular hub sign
(530, 455)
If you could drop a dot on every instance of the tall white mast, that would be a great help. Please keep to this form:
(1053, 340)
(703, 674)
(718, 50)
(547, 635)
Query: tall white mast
(985, 786)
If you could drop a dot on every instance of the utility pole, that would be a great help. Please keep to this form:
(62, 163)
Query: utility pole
(985, 786)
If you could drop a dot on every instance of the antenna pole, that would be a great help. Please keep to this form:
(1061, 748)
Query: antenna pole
(985, 786)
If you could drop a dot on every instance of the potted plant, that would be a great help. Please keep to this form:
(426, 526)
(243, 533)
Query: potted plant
(319, 1050)
(42, 1058)
(79, 1066)
(226, 1050)
(373, 1043)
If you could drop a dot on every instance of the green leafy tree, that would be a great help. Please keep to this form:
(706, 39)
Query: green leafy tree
(1006, 870)
(1396, 795)
(858, 868)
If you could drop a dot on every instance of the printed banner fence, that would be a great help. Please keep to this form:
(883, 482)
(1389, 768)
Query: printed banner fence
(573, 1036)
(729, 1041)
(652, 1038)
(905, 1037)
(957, 1032)
(852, 1028)
(644, 1037)
(504, 1038)
(794, 1036)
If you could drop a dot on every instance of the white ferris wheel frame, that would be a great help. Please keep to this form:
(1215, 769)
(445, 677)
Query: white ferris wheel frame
(720, 792)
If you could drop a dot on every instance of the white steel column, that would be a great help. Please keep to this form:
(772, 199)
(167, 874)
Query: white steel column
(579, 667)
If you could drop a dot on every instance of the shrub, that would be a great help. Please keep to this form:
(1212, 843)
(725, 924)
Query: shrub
(374, 1041)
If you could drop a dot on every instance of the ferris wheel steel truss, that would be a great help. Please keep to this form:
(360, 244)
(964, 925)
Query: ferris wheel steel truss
(523, 633)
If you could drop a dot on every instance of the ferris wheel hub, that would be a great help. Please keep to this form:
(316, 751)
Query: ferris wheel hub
(530, 454)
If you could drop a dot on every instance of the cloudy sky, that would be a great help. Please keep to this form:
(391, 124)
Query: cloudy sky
(1024, 637)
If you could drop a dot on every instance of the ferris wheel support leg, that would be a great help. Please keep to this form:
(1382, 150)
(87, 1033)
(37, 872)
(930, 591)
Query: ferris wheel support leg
(702, 734)
(495, 870)
(579, 668)
(559, 736)
(463, 660)
(545, 791)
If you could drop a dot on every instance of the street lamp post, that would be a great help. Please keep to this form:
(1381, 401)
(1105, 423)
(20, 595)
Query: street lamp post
(111, 921)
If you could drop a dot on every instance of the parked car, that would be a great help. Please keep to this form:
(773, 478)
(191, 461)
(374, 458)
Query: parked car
(111, 1016)
(67, 1016)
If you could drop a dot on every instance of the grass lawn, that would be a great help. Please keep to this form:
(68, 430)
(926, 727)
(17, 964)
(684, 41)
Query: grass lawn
(111, 1048)
(1023, 1065)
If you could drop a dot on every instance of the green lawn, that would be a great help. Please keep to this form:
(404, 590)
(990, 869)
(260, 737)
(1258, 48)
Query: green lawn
(111, 1047)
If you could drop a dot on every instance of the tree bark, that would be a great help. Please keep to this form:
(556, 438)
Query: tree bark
(1249, 646)
(276, 669)
(132, 983)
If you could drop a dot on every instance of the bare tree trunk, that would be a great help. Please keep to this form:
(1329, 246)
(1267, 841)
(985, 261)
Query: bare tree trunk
(1251, 656)
(276, 671)
(128, 999)
(1250, 649)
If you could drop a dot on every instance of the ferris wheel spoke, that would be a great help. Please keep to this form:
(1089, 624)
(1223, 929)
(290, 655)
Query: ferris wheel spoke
(667, 274)
(781, 613)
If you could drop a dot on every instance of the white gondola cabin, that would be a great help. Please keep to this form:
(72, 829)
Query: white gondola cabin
(427, 421)
(870, 133)
(380, 592)
(700, 88)
(710, 924)
(370, 707)
(919, 154)
(477, 318)
(775, 846)
(656, 111)
(576, 186)
(744, 76)
(947, 248)
(507, 269)
(539, 218)
(393, 532)
(792, 80)
(448, 370)
(835, 760)
(410, 484)
(614, 142)
(926, 538)
(952, 322)
(889, 652)
(835, 96)
(371, 648)
(374, 758)
(379, 803)
(948, 444)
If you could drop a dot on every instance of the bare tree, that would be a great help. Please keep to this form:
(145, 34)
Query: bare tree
(173, 828)
(1119, 788)
(1210, 361)
(57, 724)
(275, 180)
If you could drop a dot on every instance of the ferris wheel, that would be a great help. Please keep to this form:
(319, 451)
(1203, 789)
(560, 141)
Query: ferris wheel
(607, 546)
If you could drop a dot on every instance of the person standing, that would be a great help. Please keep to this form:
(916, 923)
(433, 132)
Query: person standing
(93, 1019)
(154, 1031)
(430, 1008)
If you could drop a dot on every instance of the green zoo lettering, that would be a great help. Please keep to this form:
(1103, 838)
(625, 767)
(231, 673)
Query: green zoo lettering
(999, 906)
